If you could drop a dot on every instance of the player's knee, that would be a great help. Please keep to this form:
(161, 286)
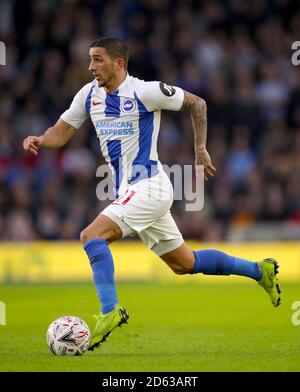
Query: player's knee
(87, 235)
(109, 235)
(180, 269)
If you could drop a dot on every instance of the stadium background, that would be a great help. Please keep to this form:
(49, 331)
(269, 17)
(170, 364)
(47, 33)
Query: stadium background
(236, 54)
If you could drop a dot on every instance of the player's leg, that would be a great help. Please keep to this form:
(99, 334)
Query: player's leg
(164, 238)
(95, 238)
(183, 260)
(102, 227)
(209, 262)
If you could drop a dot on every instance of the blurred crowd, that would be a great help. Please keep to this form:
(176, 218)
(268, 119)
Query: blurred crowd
(236, 54)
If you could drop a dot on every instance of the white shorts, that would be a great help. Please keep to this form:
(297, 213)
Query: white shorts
(144, 209)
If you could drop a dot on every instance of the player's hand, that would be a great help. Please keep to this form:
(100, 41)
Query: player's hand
(203, 159)
(32, 144)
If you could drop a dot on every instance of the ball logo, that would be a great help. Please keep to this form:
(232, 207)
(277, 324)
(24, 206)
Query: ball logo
(128, 105)
(169, 91)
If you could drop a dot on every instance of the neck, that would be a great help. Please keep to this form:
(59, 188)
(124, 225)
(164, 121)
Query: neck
(116, 82)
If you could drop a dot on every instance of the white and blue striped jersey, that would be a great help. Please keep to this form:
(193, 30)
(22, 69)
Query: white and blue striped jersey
(127, 124)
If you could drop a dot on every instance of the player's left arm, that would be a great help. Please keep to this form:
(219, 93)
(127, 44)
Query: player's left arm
(197, 108)
(160, 96)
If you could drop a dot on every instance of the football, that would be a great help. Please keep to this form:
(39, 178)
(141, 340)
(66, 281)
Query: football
(68, 335)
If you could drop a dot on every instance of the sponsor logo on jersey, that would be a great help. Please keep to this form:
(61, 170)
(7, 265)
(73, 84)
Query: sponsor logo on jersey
(107, 128)
(128, 105)
(119, 132)
(168, 91)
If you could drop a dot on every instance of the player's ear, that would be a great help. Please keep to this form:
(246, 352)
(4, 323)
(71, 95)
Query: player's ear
(120, 63)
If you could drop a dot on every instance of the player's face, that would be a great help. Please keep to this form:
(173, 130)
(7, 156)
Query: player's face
(102, 66)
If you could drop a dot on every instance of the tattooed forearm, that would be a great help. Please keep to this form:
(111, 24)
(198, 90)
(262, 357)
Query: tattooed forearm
(197, 108)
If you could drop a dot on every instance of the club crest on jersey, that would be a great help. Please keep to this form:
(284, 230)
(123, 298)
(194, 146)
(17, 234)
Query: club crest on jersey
(169, 91)
(128, 105)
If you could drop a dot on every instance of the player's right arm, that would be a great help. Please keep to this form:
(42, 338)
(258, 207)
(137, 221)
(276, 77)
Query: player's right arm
(65, 128)
(55, 137)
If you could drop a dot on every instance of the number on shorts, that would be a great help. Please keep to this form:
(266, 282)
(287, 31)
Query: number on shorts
(125, 198)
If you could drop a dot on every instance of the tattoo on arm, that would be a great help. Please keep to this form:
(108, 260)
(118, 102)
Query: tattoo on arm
(197, 108)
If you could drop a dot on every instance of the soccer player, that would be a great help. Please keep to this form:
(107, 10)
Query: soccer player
(126, 113)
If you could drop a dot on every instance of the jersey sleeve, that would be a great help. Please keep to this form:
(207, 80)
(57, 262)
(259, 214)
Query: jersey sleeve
(76, 114)
(159, 96)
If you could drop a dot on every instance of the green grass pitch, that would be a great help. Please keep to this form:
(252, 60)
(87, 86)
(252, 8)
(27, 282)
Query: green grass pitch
(172, 327)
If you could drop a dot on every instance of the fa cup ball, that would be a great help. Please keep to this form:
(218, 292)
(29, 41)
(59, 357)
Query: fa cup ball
(68, 335)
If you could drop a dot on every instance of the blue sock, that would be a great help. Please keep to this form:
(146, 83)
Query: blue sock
(102, 265)
(214, 262)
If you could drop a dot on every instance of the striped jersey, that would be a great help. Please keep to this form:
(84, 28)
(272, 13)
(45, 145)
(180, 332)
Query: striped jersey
(127, 124)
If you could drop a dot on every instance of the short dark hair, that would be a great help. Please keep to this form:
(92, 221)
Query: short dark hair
(115, 47)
